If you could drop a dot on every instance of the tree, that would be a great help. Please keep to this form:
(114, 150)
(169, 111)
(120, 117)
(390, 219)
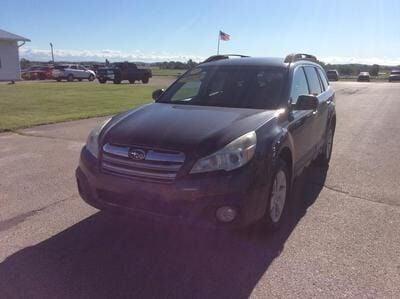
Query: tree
(25, 63)
(374, 71)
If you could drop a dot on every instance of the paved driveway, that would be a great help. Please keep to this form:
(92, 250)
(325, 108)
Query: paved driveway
(343, 237)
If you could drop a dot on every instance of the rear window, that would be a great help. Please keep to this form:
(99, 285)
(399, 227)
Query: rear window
(313, 81)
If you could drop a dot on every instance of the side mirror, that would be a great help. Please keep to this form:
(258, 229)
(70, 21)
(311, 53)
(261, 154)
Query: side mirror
(157, 93)
(306, 102)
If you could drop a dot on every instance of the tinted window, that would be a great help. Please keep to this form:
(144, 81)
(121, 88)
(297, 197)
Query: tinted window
(323, 78)
(313, 81)
(299, 85)
(228, 86)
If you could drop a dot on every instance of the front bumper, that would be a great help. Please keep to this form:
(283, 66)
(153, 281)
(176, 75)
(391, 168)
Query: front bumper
(192, 200)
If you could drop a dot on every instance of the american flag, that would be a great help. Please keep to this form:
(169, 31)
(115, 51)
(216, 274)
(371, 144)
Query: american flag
(224, 36)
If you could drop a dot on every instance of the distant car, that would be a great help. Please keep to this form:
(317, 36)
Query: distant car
(364, 76)
(37, 73)
(118, 72)
(394, 75)
(72, 72)
(333, 75)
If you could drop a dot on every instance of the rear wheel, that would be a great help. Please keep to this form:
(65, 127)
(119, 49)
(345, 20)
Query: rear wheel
(80, 80)
(132, 81)
(278, 197)
(145, 80)
(70, 78)
(324, 157)
(117, 81)
(58, 80)
(102, 81)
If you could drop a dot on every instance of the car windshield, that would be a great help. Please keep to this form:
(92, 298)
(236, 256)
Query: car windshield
(228, 86)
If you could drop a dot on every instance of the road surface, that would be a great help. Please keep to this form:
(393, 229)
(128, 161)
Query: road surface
(342, 240)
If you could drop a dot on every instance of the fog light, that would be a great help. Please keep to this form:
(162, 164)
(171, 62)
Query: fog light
(226, 214)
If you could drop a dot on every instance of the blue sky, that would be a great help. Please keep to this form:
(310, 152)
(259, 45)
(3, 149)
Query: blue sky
(336, 31)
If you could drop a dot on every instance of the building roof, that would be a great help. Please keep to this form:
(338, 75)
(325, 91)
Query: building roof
(5, 35)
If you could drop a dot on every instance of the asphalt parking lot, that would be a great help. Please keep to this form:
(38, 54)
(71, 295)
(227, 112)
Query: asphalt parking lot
(342, 240)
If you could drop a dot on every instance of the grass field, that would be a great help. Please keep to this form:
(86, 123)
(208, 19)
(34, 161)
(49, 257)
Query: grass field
(166, 72)
(27, 104)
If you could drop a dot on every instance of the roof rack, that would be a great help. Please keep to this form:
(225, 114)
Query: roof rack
(300, 56)
(222, 56)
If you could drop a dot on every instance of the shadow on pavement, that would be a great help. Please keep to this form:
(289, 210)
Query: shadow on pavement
(110, 257)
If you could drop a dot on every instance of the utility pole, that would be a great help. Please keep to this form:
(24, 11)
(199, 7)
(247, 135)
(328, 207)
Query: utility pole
(52, 54)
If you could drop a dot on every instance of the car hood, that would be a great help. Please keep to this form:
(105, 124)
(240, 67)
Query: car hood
(184, 128)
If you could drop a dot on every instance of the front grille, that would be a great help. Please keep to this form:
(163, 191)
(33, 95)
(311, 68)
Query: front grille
(155, 165)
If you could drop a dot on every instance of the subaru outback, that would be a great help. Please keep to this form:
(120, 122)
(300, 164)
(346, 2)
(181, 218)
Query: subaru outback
(220, 147)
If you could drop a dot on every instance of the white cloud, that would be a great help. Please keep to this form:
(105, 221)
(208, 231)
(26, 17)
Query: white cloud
(136, 55)
(101, 55)
(369, 60)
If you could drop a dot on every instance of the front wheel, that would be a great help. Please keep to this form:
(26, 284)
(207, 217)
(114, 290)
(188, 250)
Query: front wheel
(91, 78)
(70, 78)
(278, 197)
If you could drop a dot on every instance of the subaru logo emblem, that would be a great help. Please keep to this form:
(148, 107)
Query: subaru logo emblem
(137, 154)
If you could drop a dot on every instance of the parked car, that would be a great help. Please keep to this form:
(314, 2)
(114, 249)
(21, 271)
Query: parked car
(118, 72)
(220, 147)
(37, 73)
(364, 76)
(394, 75)
(72, 72)
(333, 75)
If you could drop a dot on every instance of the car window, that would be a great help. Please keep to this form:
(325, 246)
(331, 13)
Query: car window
(73, 67)
(322, 76)
(299, 85)
(313, 81)
(230, 86)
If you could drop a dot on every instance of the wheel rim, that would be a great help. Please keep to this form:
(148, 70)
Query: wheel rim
(329, 143)
(278, 196)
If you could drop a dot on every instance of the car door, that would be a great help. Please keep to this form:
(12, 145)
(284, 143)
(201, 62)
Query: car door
(320, 116)
(83, 73)
(300, 121)
(325, 100)
(72, 70)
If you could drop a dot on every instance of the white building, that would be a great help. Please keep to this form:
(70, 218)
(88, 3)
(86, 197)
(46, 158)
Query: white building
(9, 57)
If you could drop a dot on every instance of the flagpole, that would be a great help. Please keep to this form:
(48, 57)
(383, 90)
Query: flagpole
(219, 38)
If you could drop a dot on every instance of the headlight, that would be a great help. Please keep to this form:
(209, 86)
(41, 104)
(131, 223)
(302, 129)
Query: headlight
(232, 156)
(92, 142)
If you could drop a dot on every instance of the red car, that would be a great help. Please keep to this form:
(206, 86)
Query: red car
(37, 73)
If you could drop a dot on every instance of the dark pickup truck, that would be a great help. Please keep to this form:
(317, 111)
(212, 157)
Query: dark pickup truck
(220, 147)
(120, 71)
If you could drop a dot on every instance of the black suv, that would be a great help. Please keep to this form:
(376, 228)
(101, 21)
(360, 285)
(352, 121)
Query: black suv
(220, 147)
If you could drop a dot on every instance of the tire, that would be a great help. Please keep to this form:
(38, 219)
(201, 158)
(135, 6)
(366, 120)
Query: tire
(80, 80)
(324, 157)
(91, 78)
(277, 204)
(132, 81)
(102, 81)
(58, 80)
(117, 81)
(145, 80)
(70, 78)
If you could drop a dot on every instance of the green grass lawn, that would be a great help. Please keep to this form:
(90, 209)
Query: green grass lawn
(28, 104)
(166, 72)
